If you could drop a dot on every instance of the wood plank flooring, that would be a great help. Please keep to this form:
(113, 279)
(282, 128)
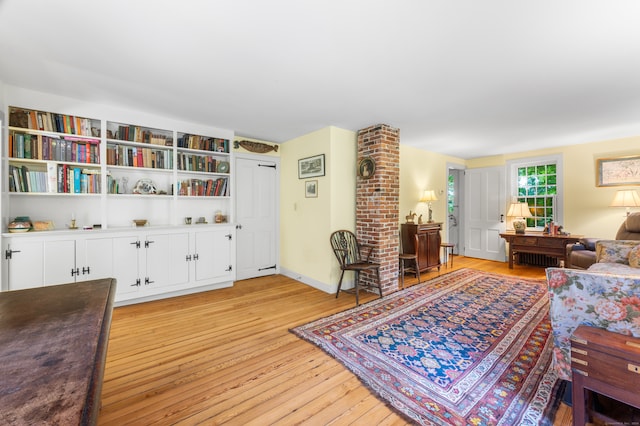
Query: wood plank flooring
(227, 357)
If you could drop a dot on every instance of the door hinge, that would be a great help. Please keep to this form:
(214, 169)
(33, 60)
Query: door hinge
(8, 254)
(137, 283)
(136, 243)
(147, 242)
(86, 270)
(268, 267)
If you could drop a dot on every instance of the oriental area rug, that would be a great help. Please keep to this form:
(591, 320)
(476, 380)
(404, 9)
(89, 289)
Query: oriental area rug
(465, 348)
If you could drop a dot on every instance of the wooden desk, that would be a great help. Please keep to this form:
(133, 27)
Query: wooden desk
(553, 246)
(607, 363)
(53, 345)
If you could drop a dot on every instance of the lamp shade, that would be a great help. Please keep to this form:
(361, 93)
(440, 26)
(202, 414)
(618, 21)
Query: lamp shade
(519, 210)
(626, 198)
(429, 195)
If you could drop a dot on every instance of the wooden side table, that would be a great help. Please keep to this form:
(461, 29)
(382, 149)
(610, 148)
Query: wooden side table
(604, 362)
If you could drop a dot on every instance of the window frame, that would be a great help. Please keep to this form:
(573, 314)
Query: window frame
(512, 182)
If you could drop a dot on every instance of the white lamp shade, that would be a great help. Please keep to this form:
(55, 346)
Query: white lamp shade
(519, 210)
(429, 195)
(626, 198)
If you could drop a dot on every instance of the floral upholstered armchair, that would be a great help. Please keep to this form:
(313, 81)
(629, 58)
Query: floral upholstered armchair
(609, 300)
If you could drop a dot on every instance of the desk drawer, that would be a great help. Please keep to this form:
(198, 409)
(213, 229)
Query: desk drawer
(609, 357)
(551, 242)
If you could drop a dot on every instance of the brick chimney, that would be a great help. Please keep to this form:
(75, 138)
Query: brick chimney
(378, 200)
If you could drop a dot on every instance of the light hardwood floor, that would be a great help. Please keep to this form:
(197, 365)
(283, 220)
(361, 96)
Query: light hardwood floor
(227, 357)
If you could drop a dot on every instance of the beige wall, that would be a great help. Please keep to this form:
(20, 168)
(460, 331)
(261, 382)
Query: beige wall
(307, 223)
(586, 206)
(421, 170)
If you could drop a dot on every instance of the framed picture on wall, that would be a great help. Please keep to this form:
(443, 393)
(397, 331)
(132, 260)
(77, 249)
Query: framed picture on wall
(311, 189)
(311, 167)
(366, 168)
(618, 171)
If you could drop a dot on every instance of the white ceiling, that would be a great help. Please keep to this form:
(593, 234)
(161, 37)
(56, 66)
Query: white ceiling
(467, 78)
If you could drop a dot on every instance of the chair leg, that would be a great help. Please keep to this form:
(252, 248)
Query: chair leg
(379, 283)
(402, 272)
(417, 271)
(340, 284)
(357, 288)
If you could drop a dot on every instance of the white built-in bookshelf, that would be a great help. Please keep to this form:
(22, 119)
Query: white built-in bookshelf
(108, 173)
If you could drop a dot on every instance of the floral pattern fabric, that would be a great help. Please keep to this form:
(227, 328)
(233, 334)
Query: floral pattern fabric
(604, 300)
(614, 251)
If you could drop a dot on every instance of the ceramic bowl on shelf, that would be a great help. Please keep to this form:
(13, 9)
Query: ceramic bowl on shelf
(20, 224)
(140, 222)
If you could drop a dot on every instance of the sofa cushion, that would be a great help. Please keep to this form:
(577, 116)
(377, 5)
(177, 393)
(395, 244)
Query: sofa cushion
(634, 257)
(614, 251)
(613, 268)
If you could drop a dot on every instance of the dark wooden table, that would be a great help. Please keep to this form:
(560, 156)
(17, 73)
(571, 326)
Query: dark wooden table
(53, 345)
(553, 246)
(606, 363)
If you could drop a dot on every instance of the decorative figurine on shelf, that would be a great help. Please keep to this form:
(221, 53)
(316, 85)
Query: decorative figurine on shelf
(410, 217)
(420, 220)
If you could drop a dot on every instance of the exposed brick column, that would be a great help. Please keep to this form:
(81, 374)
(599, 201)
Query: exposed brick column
(378, 200)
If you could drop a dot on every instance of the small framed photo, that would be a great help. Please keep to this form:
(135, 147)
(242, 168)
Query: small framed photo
(618, 171)
(366, 168)
(311, 167)
(311, 189)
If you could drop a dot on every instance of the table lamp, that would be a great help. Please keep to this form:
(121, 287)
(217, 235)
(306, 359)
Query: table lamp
(429, 196)
(626, 198)
(519, 211)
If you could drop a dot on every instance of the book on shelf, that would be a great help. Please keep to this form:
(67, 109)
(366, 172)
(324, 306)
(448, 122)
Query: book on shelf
(51, 122)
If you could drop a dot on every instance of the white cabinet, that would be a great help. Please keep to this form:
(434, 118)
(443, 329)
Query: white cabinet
(34, 262)
(147, 263)
(23, 263)
(212, 255)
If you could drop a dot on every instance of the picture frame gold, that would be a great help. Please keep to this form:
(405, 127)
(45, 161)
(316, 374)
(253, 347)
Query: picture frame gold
(366, 168)
(618, 171)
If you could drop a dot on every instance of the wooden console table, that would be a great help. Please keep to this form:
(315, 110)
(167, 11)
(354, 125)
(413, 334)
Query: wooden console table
(606, 363)
(553, 246)
(53, 346)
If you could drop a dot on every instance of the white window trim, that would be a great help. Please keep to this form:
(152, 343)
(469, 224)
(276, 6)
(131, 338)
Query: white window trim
(512, 184)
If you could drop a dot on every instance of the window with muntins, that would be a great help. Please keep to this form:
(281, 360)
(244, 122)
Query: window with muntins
(538, 183)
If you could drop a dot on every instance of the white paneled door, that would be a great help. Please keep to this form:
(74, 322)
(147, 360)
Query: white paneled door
(485, 215)
(257, 198)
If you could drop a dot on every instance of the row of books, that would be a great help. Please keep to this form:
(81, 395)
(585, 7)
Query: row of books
(204, 188)
(203, 143)
(58, 178)
(41, 147)
(140, 134)
(198, 163)
(50, 122)
(120, 155)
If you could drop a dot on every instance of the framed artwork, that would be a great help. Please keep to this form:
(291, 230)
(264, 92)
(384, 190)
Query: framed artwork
(366, 168)
(618, 171)
(311, 167)
(311, 189)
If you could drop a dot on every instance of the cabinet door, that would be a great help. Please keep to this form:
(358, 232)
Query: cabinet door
(126, 255)
(25, 268)
(94, 258)
(166, 263)
(60, 262)
(433, 242)
(213, 249)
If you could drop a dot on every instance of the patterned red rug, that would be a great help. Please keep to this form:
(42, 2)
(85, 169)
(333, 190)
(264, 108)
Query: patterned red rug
(466, 348)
